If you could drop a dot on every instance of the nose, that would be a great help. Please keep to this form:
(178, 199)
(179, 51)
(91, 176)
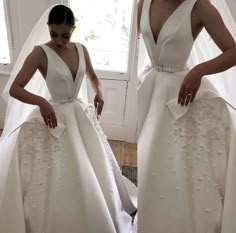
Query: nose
(59, 42)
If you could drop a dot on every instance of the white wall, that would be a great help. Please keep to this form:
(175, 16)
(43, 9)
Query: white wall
(24, 14)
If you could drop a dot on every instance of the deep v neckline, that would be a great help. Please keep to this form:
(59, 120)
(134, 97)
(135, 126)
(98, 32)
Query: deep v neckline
(164, 24)
(70, 72)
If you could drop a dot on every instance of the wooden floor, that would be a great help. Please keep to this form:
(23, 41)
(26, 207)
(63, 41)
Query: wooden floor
(125, 153)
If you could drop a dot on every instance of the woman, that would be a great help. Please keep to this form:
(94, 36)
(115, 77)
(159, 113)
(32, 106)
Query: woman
(62, 174)
(186, 146)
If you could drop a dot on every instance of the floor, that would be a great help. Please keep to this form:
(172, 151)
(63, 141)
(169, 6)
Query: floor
(125, 153)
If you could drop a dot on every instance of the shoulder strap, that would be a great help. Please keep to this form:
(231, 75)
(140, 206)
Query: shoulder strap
(46, 49)
(81, 56)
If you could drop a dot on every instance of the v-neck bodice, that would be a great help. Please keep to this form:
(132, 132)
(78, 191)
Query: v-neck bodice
(59, 78)
(66, 65)
(174, 41)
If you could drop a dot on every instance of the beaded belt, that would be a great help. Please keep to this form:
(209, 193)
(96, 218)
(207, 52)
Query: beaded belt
(64, 101)
(168, 69)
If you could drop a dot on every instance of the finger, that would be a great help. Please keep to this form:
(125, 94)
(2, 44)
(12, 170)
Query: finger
(101, 106)
(95, 102)
(183, 99)
(54, 120)
(48, 120)
(187, 100)
(181, 96)
(187, 96)
(193, 96)
(99, 109)
(53, 123)
(45, 120)
(50, 123)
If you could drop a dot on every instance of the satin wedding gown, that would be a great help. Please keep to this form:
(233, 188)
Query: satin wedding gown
(186, 155)
(64, 179)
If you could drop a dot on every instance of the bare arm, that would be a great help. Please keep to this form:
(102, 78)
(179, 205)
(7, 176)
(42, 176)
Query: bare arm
(212, 21)
(140, 6)
(209, 18)
(30, 66)
(96, 85)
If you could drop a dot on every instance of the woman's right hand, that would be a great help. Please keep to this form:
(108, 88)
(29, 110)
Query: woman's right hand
(48, 113)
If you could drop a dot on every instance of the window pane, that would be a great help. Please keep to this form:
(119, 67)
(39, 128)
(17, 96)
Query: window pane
(104, 27)
(4, 46)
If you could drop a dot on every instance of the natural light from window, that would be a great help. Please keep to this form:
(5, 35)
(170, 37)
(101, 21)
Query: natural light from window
(104, 26)
(4, 45)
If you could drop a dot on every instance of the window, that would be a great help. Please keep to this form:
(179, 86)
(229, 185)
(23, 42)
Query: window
(104, 26)
(4, 40)
(108, 29)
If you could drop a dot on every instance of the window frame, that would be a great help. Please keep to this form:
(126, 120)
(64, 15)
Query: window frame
(6, 68)
(128, 130)
(116, 75)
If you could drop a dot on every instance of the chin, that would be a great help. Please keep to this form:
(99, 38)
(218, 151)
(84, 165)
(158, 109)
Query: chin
(60, 46)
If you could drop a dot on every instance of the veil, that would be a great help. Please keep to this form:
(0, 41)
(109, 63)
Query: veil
(17, 112)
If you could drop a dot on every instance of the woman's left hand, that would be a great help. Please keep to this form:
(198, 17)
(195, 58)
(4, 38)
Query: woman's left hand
(98, 103)
(189, 87)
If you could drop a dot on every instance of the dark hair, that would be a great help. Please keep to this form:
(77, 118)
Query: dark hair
(61, 14)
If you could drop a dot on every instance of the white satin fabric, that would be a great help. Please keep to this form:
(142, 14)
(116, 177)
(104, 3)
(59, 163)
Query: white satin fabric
(186, 155)
(63, 179)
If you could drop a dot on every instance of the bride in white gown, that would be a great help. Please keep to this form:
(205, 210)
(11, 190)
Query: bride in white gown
(187, 143)
(58, 173)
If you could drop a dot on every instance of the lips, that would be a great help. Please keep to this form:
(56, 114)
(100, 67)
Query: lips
(58, 46)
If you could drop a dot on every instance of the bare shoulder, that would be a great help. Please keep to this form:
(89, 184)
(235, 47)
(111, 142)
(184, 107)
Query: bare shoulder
(212, 21)
(37, 56)
(86, 53)
(89, 67)
(206, 12)
(37, 52)
(84, 47)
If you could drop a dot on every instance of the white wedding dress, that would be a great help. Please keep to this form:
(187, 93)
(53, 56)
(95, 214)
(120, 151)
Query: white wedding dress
(186, 155)
(64, 179)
